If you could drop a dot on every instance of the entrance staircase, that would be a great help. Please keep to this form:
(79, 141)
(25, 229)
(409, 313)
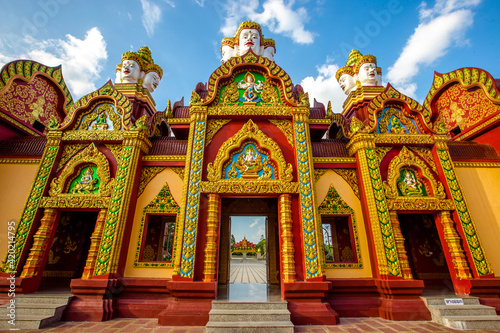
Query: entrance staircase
(465, 314)
(249, 317)
(34, 311)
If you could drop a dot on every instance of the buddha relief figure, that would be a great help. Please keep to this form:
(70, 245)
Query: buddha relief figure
(139, 68)
(86, 184)
(251, 88)
(410, 186)
(248, 37)
(249, 163)
(396, 126)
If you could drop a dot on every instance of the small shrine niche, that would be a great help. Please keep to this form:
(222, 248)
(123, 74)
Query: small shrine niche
(249, 163)
(409, 184)
(86, 182)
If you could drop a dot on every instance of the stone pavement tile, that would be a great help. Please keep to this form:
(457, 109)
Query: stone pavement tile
(197, 330)
(374, 323)
(354, 330)
(317, 330)
(387, 330)
(366, 328)
(334, 329)
(301, 329)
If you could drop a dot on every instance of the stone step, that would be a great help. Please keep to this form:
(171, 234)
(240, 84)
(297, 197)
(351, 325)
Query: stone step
(463, 310)
(225, 315)
(439, 300)
(249, 327)
(468, 323)
(42, 309)
(28, 322)
(249, 317)
(43, 298)
(218, 305)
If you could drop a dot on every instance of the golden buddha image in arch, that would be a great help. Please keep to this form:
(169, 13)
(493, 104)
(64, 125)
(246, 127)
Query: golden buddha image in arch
(408, 175)
(250, 149)
(86, 173)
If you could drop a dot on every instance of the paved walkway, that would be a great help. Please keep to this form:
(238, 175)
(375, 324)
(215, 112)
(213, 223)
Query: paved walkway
(247, 271)
(349, 325)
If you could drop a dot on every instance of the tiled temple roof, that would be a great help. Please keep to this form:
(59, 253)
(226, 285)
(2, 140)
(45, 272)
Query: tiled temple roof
(317, 113)
(329, 148)
(168, 146)
(23, 146)
(472, 151)
(181, 112)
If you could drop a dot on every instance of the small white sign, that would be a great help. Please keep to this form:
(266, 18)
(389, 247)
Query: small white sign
(453, 301)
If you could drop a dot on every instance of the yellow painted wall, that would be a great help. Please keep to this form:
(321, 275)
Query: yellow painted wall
(15, 185)
(347, 194)
(150, 192)
(481, 187)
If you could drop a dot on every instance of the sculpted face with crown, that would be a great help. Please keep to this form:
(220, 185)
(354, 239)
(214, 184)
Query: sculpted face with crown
(139, 67)
(248, 37)
(359, 71)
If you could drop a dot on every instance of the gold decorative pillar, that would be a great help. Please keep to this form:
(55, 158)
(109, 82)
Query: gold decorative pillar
(135, 144)
(452, 240)
(400, 246)
(40, 243)
(363, 146)
(311, 225)
(95, 242)
(210, 269)
(185, 249)
(479, 264)
(287, 249)
(30, 211)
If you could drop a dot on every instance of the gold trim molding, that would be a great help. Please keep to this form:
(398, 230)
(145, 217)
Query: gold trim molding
(20, 160)
(336, 160)
(257, 186)
(164, 158)
(420, 203)
(475, 164)
(75, 201)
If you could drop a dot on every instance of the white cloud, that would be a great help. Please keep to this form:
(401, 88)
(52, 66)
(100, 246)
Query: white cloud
(277, 15)
(201, 3)
(171, 3)
(151, 16)
(81, 59)
(255, 222)
(325, 87)
(440, 28)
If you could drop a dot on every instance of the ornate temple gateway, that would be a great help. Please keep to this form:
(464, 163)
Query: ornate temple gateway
(366, 211)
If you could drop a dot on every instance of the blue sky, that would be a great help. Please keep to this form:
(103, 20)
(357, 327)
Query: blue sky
(410, 39)
(251, 227)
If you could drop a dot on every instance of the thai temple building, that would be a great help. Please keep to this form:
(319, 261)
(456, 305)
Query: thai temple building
(128, 207)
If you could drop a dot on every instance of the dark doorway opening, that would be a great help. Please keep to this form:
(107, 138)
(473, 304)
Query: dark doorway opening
(425, 253)
(69, 250)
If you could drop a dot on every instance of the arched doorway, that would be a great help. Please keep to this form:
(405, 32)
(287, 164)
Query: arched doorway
(244, 209)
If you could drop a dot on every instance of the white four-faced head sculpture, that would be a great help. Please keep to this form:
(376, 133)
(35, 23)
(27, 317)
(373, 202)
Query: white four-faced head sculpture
(131, 72)
(367, 74)
(346, 80)
(248, 37)
(151, 81)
